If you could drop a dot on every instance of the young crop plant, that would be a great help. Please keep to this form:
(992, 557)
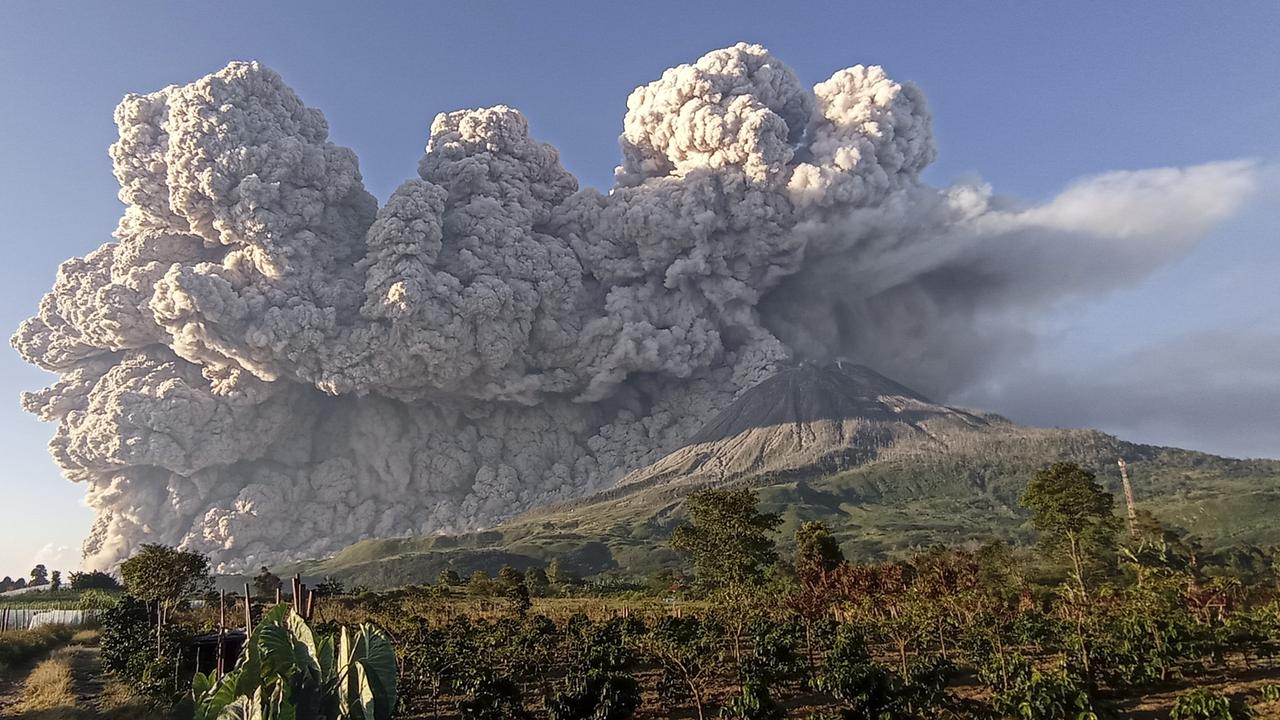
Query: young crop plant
(1204, 704)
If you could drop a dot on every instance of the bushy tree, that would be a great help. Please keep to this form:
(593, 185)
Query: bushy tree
(727, 538)
(729, 541)
(330, 587)
(55, 580)
(1075, 518)
(39, 575)
(817, 552)
(93, 580)
(535, 578)
(448, 578)
(560, 578)
(479, 584)
(690, 652)
(266, 583)
(144, 654)
(511, 585)
(594, 695)
(165, 576)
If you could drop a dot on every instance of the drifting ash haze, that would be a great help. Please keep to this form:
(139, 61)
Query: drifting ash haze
(266, 365)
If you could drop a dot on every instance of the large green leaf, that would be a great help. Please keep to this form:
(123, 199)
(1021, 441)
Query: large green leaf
(363, 692)
(380, 661)
(244, 708)
(343, 671)
(328, 663)
(277, 650)
(200, 685)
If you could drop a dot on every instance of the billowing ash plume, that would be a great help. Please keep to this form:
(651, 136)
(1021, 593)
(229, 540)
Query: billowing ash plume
(265, 364)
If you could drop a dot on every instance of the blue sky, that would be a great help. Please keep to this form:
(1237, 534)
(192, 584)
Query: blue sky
(1027, 96)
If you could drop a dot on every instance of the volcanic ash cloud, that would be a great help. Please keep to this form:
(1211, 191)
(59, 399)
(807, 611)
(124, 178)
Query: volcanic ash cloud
(264, 364)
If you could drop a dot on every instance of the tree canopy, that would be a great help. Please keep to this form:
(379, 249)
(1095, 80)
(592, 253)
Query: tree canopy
(727, 538)
(159, 573)
(1074, 516)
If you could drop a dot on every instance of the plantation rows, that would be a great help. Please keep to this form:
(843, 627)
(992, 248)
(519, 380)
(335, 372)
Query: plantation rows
(1099, 621)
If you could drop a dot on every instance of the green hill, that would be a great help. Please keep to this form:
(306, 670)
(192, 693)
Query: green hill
(887, 469)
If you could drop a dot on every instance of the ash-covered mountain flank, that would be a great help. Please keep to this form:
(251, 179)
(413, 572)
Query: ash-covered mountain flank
(885, 467)
(808, 420)
(814, 422)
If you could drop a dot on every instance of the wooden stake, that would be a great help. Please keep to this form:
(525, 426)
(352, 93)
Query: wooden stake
(222, 631)
(248, 612)
(311, 599)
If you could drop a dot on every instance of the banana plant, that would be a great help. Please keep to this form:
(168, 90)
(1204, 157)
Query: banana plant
(286, 672)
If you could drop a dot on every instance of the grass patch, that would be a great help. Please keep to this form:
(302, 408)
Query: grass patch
(22, 646)
(50, 685)
(118, 701)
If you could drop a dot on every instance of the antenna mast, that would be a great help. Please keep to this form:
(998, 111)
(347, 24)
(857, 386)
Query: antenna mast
(1128, 497)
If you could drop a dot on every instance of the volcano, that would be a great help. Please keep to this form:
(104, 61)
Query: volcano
(885, 467)
(810, 420)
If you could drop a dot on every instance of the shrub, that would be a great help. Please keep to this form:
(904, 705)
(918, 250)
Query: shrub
(594, 695)
(490, 696)
(96, 600)
(132, 651)
(1204, 704)
(1043, 694)
(867, 689)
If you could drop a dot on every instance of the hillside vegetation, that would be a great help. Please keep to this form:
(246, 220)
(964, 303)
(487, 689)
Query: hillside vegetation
(883, 509)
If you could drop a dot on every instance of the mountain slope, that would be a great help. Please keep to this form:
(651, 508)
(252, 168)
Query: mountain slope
(887, 468)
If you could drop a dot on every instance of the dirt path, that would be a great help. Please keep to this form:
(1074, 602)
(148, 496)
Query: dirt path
(11, 689)
(88, 696)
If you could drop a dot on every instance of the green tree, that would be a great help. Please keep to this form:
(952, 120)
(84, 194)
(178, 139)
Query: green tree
(537, 581)
(1075, 518)
(448, 578)
(266, 583)
(727, 538)
(560, 578)
(55, 580)
(165, 576)
(39, 575)
(729, 541)
(330, 587)
(817, 552)
(511, 584)
(479, 584)
(93, 580)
